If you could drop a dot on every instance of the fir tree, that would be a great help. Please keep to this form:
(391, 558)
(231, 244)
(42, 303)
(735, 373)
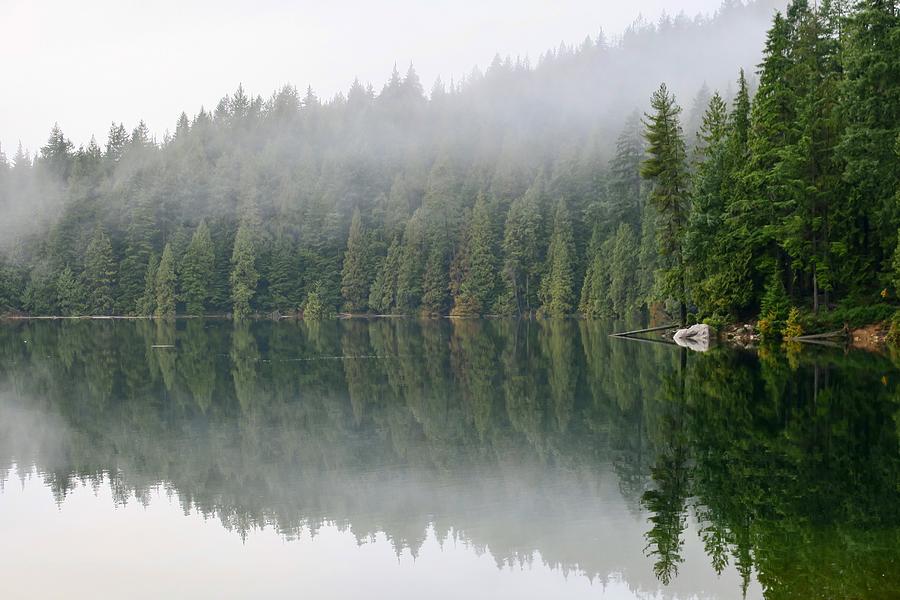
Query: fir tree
(383, 295)
(146, 303)
(522, 240)
(666, 168)
(244, 276)
(99, 274)
(165, 284)
(197, 271)
(70, 296)
(478, 281)
(355, 275)
(558, 285)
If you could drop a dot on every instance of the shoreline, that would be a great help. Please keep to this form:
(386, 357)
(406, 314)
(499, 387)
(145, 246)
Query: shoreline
(871, 337)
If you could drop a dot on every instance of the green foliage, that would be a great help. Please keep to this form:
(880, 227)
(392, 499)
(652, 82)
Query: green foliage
(356, 273)
(775, 301)
(197, 271)
(99, 274)
(557, 293)
(666, 168)
(522, 247)
(146, 304)
(70, 294)
(477, 268)
(244, 276)
(793, 328)
(316, 307)
(383, 294)
(165, 284)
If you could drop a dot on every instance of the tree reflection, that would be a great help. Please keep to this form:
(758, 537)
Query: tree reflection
(785, 466)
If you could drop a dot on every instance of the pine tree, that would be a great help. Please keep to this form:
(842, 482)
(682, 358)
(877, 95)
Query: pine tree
(197, 271)
(666, 168)
(356, 275)
(478, 282)
(244, 276)
(165, 284)
(99, 274)
(557, 291)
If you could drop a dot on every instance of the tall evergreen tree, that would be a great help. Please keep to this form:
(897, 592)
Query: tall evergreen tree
(356, 272)
(523, 238)
(165, 284)
(871, 111)
(558, 285)
(197, 271)
(70, 296)
(478, 282)
(383, 294)
(146, 303)
(99, 274)
(666, 168)
(244, 275)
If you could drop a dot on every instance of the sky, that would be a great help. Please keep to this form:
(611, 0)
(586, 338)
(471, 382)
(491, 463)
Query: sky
(84, 64)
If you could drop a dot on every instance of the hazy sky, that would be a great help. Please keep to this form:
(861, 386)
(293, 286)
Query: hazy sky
(89, 62)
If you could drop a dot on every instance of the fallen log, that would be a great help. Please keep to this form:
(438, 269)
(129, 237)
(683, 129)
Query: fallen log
(640, 331)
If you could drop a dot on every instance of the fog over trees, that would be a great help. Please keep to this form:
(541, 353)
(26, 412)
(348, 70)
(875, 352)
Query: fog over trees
(525, 188)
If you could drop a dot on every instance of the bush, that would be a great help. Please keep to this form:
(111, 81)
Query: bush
(316, 308)
(792, 327)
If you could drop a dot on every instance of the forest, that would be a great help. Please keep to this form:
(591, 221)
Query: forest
(777, 195)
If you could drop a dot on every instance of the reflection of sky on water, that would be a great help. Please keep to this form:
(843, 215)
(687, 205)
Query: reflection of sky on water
(89, 547)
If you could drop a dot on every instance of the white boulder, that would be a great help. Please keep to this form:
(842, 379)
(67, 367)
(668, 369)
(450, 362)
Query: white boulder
(696, 337)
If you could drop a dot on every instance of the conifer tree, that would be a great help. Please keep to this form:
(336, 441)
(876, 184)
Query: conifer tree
(165, 284)
(558, 285)
(355, 275)
(283, 276)
(623, 271)
(383, 295)
(99, 274)
(625, 175)
(244, 275)
(871, 111)
(409, 277)
(478, 282)
(595, 291)
(70, 297)
(666, 168)
(522, 240)
(146, 303)
(138, 247)
(197, 271)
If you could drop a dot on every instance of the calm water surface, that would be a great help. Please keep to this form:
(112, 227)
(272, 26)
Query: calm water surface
(443, 460)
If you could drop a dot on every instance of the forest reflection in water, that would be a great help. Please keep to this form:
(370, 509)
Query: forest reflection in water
(519, 439)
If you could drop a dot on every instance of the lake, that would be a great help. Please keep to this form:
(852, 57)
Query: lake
(438, 459)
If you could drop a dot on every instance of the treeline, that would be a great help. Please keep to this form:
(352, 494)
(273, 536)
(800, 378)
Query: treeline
(483, 198)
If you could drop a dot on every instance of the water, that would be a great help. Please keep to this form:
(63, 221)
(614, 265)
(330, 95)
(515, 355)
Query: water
(469, 459)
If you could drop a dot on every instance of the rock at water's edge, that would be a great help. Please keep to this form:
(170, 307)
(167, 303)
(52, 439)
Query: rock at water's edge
(696, 337)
